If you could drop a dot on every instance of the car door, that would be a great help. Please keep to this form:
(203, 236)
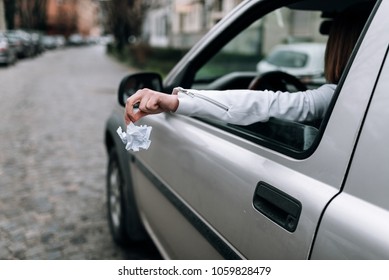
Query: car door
(354, 225)
(211, 190)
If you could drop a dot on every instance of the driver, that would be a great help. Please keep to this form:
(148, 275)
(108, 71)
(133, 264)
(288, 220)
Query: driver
(245, 107)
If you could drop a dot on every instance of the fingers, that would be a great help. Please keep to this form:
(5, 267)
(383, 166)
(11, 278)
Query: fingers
(148, 104)
(130, 115)
(133, 117)
(176, 90)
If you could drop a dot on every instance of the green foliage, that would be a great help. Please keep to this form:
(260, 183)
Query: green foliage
(224, 63)
(162, 60)
(146, 58)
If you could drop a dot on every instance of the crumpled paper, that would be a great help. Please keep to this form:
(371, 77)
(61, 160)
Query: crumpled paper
(136, 137)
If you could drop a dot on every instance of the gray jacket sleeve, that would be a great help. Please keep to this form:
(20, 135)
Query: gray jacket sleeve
(248, 106)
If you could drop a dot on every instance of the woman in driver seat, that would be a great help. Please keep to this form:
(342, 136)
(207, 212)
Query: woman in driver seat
(245, 107)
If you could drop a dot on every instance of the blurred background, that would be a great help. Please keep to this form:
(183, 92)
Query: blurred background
(133, 29)
(147, 34)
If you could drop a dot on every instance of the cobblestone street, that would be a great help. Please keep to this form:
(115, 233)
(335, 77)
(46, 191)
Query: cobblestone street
(52, 158)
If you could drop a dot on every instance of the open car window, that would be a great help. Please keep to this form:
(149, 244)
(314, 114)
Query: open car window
(284, 40)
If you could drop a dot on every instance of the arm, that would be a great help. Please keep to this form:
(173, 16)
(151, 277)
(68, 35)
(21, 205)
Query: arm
(233, 106)
(246, 106)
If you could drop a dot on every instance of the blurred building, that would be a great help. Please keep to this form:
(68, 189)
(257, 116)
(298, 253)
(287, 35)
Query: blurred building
(88, 22)
(181, 23)
(61, 17)
(2, 16)
(157, 23)
(73, 16)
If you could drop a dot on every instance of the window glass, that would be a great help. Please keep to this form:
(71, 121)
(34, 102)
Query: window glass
(288, 59)
(279, 41)
(240, 54)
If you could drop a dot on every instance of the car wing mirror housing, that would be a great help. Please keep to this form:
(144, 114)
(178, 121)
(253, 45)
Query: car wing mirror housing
(133, 82)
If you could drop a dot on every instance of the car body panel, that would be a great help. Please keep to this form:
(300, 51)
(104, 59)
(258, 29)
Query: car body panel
(161, 221)
(217, 177)
(371, 158)
(354, 225)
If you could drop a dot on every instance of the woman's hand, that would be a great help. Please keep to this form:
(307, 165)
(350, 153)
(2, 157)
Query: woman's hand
(149, 102)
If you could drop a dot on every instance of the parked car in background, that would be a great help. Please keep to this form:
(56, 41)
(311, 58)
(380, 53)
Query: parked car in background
(270, 190)
(302, 60)
(24, 42)
(60, 41)
(16, 41)
(49, 42)
(37, 42)
(8, 51)
(76, 40)
(107, 39)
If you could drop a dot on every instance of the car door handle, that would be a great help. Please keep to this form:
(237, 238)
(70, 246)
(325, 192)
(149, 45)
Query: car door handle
(277, 206)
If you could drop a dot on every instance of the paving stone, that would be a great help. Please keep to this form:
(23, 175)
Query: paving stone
(52, 158)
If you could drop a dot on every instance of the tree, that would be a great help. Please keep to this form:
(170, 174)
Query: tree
(10, 9)
(125, 19)
(31, 13)
(40, 14)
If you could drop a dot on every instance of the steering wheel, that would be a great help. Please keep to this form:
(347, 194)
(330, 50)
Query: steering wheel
(277, 80)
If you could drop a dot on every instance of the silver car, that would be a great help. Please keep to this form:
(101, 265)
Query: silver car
(303, 60)
(274, 190)
(8, 54)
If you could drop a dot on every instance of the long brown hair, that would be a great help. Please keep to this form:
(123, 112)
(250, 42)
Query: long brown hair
(344, 33)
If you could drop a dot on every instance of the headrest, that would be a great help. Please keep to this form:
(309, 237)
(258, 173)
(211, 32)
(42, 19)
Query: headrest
(325, 27)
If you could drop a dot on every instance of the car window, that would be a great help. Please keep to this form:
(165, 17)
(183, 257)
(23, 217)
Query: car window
(236, 65)
(240, 54)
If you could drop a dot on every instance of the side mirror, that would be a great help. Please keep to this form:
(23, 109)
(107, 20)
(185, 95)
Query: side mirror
(131, 83)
